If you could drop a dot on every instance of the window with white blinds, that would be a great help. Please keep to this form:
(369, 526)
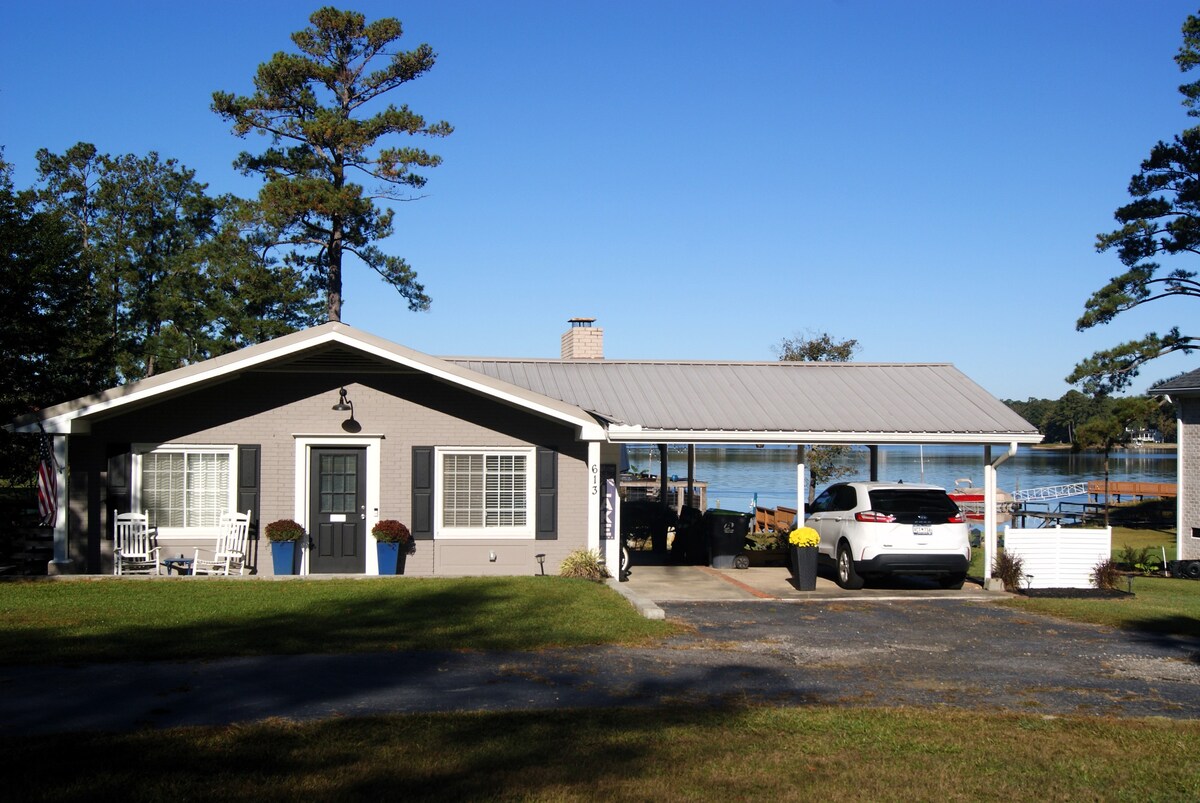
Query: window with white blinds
(186, 488)
(485, 492)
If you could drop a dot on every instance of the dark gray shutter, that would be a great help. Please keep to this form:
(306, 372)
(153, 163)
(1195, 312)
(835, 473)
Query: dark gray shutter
(422, 492)
(248, 483)
(119, 490)
(546, 487)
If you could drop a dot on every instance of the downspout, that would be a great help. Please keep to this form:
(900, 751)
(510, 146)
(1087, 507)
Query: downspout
(989, 511)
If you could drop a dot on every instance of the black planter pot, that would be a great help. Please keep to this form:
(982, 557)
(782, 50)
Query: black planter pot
(804, 567)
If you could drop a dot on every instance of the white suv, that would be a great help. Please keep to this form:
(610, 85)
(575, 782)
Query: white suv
(870, 529)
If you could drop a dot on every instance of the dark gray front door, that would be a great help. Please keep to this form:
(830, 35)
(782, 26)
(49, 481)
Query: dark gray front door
(337, 511)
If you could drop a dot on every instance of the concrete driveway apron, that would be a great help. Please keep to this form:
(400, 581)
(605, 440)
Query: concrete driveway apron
(703, 584)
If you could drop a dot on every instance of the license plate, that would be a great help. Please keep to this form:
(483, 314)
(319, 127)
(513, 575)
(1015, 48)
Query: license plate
(922, 529)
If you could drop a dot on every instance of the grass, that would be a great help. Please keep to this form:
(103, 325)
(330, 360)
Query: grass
(693, 753)
(627, 754)
(108, 619)
(1159, 605)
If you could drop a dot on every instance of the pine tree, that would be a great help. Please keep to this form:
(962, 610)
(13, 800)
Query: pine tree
(312, 105)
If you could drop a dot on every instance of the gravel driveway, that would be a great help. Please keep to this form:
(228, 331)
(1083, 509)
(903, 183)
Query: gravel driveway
(909, 652)
(975, 655)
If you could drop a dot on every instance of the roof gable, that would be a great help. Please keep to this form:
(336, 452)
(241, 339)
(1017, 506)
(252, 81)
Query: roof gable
(330, 346)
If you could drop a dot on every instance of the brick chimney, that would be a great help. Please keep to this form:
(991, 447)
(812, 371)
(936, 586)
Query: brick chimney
(583, 341)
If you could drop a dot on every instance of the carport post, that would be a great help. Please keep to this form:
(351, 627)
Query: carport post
(691, 482)
(800, 493)
(662, 473)
(989, 509)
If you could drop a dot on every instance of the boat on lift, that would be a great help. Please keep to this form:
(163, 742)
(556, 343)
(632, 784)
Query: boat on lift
(971, 502)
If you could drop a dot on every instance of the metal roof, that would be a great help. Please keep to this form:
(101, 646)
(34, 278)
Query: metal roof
(636, 401)
(775, 401)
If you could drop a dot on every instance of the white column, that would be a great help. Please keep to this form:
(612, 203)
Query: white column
(61, 554)
(800, 495)
(595, 489)
(989, 520)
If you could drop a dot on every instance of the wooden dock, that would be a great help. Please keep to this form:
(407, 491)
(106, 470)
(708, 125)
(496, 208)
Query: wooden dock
(1138, 490)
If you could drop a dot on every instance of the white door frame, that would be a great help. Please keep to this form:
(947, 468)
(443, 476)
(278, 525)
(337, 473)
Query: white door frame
(303, 464)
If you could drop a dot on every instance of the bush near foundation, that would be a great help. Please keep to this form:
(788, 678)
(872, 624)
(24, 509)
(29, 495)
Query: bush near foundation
(585, 564)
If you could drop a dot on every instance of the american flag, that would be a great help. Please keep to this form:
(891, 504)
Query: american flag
(47, 483)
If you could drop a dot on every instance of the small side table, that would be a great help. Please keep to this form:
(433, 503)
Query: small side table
(180, 565)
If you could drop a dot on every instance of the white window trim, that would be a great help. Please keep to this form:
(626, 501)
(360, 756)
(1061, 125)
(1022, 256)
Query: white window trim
(527, 532)
(135, 482)
(303, 456)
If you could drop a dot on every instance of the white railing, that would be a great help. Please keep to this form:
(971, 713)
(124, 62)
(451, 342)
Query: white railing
(1050, 492)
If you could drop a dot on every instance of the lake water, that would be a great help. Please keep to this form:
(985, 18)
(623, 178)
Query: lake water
(736, 474)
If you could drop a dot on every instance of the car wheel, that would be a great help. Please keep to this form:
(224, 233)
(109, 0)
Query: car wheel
(952, 581)
(847, 577)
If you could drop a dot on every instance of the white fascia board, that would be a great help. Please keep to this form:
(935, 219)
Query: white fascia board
(62, 423)
(625, 434)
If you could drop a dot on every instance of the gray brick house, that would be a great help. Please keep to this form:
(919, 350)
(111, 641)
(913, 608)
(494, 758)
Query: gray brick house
(490, 462)
(1184, 391)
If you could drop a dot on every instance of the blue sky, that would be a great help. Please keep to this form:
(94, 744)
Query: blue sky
(703, 178)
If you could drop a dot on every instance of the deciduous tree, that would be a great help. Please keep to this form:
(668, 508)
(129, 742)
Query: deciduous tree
(816, 347)
(312, 105)
(823, 463)
(1111, 428)
(176, 275)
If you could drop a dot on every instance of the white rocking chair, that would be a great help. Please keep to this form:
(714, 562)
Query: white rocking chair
(230, 551)
(134, 550)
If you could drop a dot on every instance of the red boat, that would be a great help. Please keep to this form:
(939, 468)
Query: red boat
(970, 501)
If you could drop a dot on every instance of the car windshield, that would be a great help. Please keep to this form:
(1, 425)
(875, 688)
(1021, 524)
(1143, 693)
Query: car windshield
(903, 502)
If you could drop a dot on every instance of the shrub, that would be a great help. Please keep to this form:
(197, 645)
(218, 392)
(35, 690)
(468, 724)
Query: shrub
(284, 530)
(584, 563)
(390, 531)
(1144, 560)
(1010, 569)
(1105, 575)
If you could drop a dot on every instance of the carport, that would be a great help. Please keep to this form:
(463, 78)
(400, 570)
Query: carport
(661, 403)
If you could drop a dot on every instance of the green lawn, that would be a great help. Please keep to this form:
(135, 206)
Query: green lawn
(108, 619)
(1158, 605)
(694, 753)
